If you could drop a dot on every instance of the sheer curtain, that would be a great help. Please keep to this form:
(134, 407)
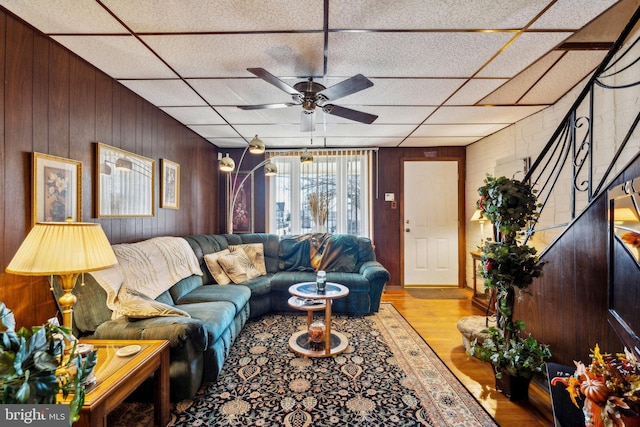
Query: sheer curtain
(330, 195)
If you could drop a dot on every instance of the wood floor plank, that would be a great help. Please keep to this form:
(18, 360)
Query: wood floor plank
(435, 320)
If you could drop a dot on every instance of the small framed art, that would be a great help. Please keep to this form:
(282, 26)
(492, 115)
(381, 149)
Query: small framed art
(57, 189)
(170, 188)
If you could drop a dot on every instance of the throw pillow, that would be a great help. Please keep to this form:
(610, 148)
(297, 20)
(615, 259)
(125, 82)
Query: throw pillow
(138, 306)
(214, 267)
(255, 252)
(238, 266)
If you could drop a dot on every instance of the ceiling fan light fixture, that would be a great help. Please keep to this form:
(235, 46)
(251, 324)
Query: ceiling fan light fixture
(227, 164)
(256, 146)
(270, 169)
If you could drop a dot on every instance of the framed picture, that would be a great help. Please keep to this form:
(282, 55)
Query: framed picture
(242, 213)
(57, 189)
(125, 183)
(170, 188)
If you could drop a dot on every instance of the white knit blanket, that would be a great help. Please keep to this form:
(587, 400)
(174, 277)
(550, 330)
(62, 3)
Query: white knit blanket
(149, 267)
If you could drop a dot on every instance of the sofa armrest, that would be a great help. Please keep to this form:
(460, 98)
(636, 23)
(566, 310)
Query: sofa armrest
(179, 331)
(378, 276)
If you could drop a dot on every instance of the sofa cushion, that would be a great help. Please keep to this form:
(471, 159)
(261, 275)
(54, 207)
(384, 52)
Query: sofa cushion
(238, 266)
(216, 317)
(295, 255)
(214, 267)
(237, 295)
(181, 288)
(138, 306)
(255, 252)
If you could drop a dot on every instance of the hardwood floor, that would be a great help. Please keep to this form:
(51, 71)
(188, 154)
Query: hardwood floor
(435, 320)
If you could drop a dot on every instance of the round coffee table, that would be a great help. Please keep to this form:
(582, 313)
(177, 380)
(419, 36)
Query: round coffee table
(306, 297)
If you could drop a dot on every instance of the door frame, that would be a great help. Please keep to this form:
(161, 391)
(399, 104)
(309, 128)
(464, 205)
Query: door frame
(462, 250)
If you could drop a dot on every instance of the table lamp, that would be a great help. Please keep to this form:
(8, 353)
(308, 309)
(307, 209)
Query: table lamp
(65, 249)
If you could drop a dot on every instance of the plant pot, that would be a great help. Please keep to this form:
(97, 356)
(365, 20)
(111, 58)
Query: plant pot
(515, 388)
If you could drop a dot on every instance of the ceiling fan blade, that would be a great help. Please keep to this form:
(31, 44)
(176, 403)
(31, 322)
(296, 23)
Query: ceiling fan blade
(350, 114)
(270, 78)
(267, 106)
(347, 87)
(308, 121)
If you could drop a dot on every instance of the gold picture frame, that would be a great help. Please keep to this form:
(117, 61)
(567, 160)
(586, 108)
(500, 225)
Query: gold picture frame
(125, 183)
(170, 184)
(56, 189)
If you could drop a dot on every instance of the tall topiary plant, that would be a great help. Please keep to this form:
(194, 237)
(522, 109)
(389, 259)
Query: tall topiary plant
(508, 268)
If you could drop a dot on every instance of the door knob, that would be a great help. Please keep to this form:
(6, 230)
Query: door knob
(407, 230)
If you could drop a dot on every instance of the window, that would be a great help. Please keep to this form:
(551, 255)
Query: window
(330, 195)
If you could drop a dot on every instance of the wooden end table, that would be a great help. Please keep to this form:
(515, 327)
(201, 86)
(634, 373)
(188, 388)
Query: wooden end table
(334, 342)
(118, 376)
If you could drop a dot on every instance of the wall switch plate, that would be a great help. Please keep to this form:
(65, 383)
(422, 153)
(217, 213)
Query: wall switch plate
(389, 197)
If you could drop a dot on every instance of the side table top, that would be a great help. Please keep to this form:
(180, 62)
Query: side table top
(308, 290)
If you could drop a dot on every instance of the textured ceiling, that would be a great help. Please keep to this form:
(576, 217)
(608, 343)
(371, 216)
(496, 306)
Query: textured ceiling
(443, 73)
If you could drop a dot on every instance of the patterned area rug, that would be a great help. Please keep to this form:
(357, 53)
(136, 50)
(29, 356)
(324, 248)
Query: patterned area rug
(387, 376)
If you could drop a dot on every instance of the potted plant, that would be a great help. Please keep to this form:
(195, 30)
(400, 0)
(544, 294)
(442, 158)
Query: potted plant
(34, 367)
(508, 268)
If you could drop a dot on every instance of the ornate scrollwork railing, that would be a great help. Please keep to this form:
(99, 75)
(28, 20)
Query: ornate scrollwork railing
(578, 162)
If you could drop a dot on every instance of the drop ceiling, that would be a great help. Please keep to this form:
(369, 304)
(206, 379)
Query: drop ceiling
(443, 72)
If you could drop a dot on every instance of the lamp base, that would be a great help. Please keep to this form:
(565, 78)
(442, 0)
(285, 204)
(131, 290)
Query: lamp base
(66, 301)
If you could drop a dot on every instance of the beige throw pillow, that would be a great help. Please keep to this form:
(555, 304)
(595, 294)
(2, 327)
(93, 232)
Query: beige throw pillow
(255, 252)
(238, 266)
(139, 306)
(214, 267)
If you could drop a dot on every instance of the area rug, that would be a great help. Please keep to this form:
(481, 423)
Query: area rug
(436, 293)
(387, 376)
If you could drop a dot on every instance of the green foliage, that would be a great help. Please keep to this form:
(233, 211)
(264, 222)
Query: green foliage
(523, 357)
(34, 367)
(509, 204)
(509, 266)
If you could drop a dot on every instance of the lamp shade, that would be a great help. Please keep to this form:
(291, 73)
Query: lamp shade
(227, 164)
(256, 146)
(306, 158)
(270, 169)
(477, 216)
(62, 248)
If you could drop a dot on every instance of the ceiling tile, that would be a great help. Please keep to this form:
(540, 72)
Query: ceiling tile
(229, 55)
(222, 15)
(505, 115)
(194, 115)
(214, 131)
(65, 17)
(418, 14)
(421, 54)
(569, 71)
(245, 91)
(526, 49)
(165, 93)
(406, 91)
(474, 91)
(565, 14)
(478, 130)
(355, 130)
(121, 57)
(457, 141)
(512, 91)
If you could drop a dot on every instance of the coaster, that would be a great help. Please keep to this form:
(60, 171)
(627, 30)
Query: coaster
(129, 350)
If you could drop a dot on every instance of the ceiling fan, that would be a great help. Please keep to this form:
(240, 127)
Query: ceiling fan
(310, 95)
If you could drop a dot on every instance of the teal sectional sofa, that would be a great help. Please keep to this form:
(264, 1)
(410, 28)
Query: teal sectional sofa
(200, 343)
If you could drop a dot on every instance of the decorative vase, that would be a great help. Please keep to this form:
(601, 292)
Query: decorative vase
(515, 388)
(316, 331)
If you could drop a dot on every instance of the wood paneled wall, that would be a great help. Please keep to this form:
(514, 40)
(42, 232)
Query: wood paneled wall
(567, 307)
(55, 103)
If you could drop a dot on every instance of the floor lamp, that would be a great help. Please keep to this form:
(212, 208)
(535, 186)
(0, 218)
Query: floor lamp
(64, 249)
(227, 164)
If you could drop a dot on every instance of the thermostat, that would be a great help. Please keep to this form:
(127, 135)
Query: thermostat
(389, 197)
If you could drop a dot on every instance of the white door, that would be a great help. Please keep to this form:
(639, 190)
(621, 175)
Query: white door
(430, 223)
